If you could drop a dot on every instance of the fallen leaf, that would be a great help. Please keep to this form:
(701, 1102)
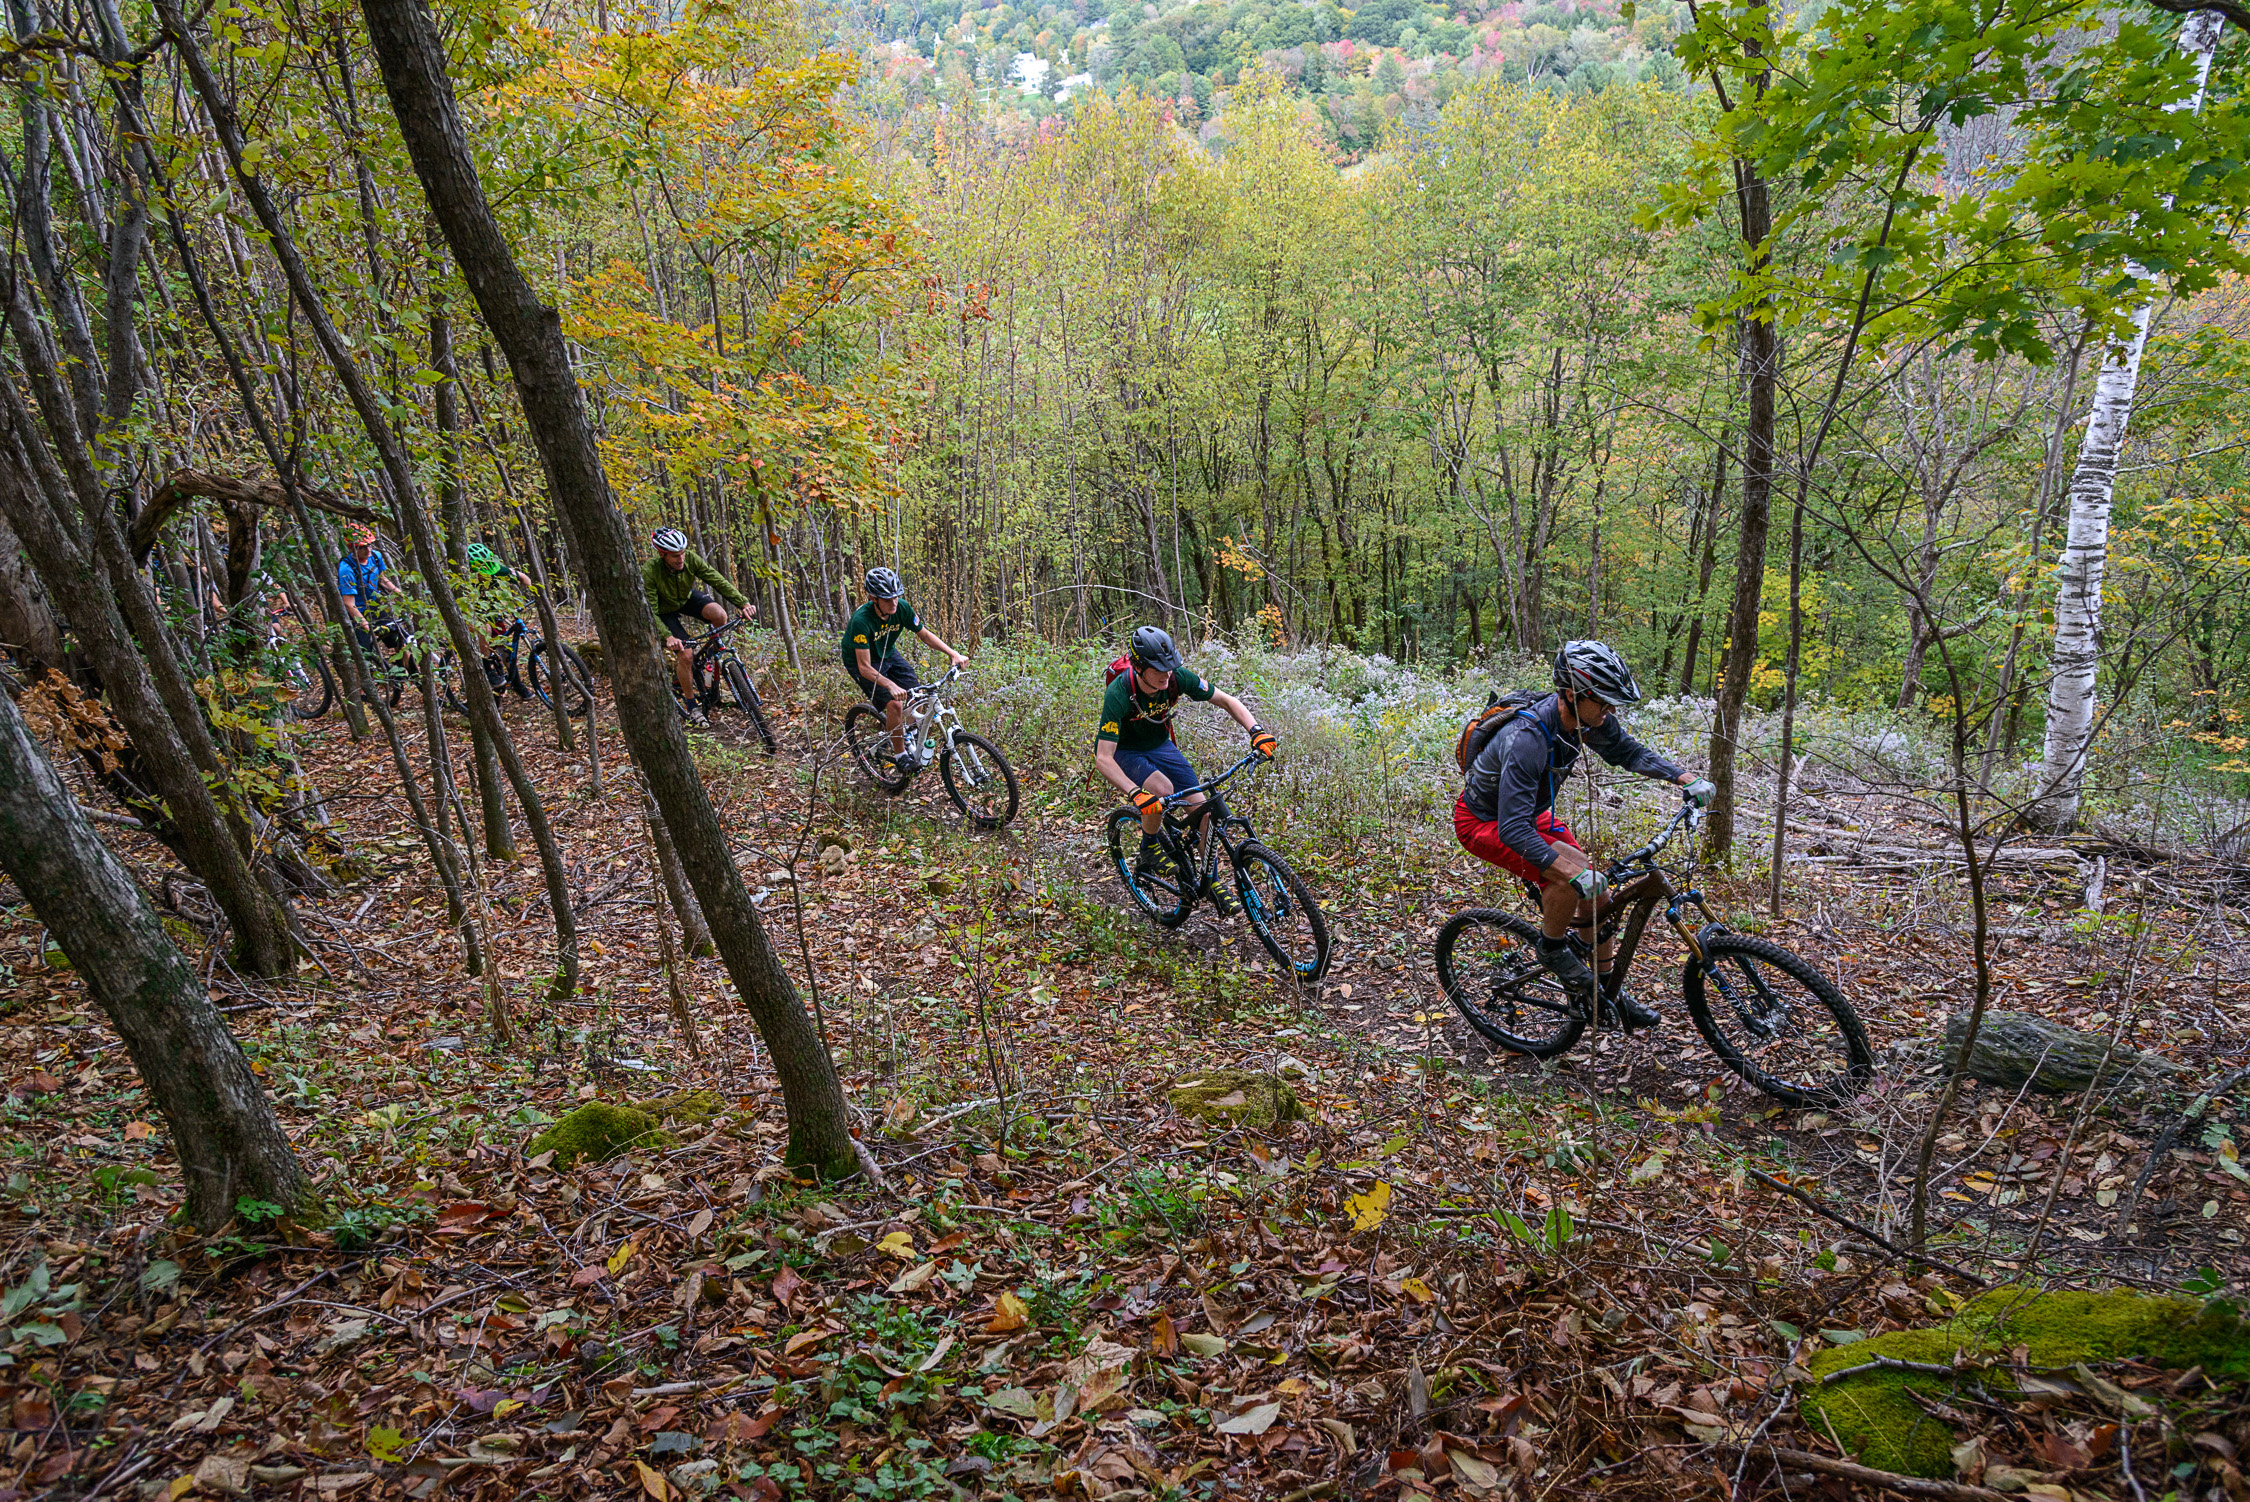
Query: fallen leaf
(1417, 1290)
(898, 1244)
(1008, 1313)
(619, 1258)
(653, 1484)
(1202, 1344)
(908, 1282)
(1371, 1209)
(1251, 1421)
(785, 1286)
(804, 1340)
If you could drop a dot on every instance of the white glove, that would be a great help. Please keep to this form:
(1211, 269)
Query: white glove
(1701, 791)
(1591, 884)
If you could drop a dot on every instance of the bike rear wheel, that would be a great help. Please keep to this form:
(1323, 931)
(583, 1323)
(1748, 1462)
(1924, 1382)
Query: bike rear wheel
(573, 682)
(745, 696)
(1150, 869)
(979, 780)
(1281, 911)
(1778, 1022)
(1488, 966)
(870, 742)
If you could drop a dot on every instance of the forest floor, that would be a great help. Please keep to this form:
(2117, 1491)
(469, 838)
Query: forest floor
(1460, 1273)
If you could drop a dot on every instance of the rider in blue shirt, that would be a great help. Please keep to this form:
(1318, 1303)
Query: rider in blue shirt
(360, 580)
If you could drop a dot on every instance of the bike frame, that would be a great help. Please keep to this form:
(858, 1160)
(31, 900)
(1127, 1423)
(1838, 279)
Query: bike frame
(712, 647)
(1180, 825)
(1639, 884)
(925, 706)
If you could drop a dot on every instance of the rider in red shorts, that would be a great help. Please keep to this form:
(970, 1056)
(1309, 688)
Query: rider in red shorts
(1506, 814)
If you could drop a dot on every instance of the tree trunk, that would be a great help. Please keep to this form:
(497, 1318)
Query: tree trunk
(413, 62)
(206, 845)
(1761, 359)
(399, 472)
(224, 1135)
(2076, 659)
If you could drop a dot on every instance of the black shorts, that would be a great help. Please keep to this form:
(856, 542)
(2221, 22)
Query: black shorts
(698, 601)
(893, 667)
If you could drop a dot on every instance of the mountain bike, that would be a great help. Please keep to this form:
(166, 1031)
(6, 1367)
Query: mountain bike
(1164, 874)
(573, 682)
(714, 664)
(977, 777)
(396, 662)
(1769, 1015)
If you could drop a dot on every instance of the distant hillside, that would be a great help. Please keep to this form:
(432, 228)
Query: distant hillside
(1360, 66)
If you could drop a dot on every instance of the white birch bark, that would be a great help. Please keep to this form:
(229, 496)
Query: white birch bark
(2076, 659)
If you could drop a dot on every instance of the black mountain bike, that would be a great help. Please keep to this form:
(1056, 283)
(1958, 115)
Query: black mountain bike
(1770, 1016)
(565, 675)
(714, 665)
(1165, 875)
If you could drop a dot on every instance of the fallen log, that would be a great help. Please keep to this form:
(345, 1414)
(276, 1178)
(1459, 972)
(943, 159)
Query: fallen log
(2015, 1049)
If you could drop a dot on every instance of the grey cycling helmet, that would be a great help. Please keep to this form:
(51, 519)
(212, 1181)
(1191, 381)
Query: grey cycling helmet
(1592, 667)
(884, 584)
(669, 540)
(1152, 648)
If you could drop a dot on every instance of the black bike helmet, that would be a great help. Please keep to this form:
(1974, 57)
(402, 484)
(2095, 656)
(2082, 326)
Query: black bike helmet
(1592, 667)
(1152, 648)
(884, 584)
(669, 540)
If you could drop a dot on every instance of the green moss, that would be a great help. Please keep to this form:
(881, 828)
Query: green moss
(596, 1130)
(1875, 1419)
(689, 1108)
(1236, 1097)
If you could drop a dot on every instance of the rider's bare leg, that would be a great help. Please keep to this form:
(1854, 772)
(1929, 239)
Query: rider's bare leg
(894, 716)
(683, 669)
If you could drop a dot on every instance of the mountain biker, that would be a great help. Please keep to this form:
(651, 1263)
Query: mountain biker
(1134, 750)
(1506, 813)
(870, 651)
(487, 564)
(674, 580)
(361, 578)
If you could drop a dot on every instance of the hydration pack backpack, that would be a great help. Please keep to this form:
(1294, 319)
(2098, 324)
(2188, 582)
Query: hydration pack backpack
(1119, 669)
(1477, 732)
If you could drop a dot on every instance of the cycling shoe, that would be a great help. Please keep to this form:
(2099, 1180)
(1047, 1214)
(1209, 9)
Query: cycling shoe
(1622, 1006)
(1215, 893)
(1562, 961)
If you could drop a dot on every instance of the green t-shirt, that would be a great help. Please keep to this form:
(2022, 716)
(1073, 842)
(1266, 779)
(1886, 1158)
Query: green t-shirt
(877, 634)
(1142, 722)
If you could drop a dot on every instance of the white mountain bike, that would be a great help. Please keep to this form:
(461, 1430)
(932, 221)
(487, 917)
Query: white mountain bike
(977, 777)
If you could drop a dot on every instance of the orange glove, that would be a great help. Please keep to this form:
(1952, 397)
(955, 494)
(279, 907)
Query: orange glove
(1262, 742)
(1152, 810)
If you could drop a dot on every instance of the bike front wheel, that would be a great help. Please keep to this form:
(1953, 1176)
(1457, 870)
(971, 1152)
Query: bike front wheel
(745, 697)
(1778, 1022)
(979, 780)
(1150, 869)
(311, 689)
(870, 742)
(1281, 911)
(572, 682)
(1488, 966)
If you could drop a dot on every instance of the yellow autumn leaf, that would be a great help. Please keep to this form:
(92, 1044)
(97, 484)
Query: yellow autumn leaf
(1371, 1209)
(619, 1258)
(899, 1245)
(1416, 1289)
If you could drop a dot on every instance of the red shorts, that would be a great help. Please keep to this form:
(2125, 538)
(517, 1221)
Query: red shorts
(1481, 838)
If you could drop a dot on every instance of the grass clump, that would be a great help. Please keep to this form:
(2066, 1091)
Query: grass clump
(597, 1130)
(1874, 1417)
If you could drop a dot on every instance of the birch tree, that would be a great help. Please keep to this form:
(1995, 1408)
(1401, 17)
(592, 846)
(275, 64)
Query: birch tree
(2076, 659)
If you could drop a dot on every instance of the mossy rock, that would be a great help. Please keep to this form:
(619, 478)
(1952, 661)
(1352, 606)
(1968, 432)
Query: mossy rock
(597, 1130)
(1236, 1097)
(1883, 1427)
(689, 1108)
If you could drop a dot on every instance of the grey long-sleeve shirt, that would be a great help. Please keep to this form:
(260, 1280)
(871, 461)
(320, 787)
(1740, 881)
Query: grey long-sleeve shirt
(1510, 782)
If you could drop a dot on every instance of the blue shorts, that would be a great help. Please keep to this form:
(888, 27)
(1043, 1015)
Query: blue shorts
(1165, 758)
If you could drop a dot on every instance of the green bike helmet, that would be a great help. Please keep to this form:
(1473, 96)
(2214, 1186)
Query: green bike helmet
(483, 558)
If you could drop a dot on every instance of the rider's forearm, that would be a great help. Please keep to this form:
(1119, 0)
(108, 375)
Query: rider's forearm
(1105, 762)
(1568, 862)
(936, 641)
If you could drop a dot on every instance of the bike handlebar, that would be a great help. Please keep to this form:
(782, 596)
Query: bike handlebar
(1688, 817)
(930, 690)
(1214, 783)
